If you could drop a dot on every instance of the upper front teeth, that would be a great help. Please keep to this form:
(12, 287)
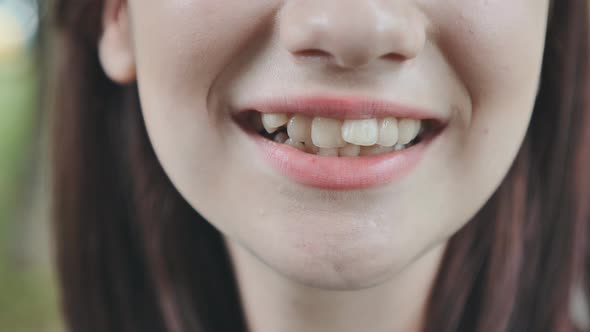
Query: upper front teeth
(361, 132)
(388, 132)
(299, 128)
(326, 133)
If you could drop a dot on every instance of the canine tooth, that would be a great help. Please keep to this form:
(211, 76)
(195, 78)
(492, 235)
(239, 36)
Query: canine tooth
(281, 137)
(375, 150)
(388, 132)
(326, 133)
(350, 150)
(270, 130)
(328, 152)
(408, 129)
(272, 121)
(297, 145)
(363, 132)
(299, 128)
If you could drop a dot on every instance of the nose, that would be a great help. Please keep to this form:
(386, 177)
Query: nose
(352, 33)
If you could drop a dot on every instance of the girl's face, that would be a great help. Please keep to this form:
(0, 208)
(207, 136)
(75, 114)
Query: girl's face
(469, 70)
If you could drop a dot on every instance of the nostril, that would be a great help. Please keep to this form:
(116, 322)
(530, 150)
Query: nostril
(393, 57)
(313, 53)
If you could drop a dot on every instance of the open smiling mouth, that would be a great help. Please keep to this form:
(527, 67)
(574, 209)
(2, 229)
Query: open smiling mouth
(340, 144)
(331, 137)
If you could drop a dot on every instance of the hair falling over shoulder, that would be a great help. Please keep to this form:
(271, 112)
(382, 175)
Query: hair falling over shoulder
(134, 256)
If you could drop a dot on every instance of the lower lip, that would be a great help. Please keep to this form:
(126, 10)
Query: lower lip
(340, 173)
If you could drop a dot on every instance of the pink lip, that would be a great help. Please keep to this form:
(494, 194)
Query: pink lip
(342, 108)
(340, 173)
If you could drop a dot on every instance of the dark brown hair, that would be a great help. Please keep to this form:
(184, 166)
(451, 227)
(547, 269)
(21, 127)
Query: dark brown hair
(134, 256)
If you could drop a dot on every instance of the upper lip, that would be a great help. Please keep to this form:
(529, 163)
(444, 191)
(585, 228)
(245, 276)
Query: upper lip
(342, 107)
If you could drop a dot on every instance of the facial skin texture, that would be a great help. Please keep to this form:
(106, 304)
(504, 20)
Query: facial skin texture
(319, 260)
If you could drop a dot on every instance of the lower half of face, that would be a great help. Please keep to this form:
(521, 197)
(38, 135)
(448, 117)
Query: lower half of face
(337, 146)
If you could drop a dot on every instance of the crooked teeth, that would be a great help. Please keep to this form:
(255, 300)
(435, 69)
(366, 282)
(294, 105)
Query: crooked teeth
(408, 130)
(333, 137)
(273, 121)
(326, 133)
(360, 132)
(297, 145)
(299, 128)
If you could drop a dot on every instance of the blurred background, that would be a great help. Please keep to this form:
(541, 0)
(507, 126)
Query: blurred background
(28, 296)
(28, 301)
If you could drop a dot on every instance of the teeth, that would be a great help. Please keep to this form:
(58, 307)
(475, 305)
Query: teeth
(281, 137)
(328, 152)
(375, 150)
(297, 145)
(326, 133)
(310, 148)
(398, 147)
(350, 150)
(272, 121)
(408, 130)
(388, 132)
(299, 128)
(332, 137)
(360, 132)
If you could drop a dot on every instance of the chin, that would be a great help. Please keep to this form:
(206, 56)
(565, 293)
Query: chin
(338, 271)
(336, 259)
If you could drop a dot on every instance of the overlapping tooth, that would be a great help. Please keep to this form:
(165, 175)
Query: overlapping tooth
(326, 133)
(272, 121)
(408, 130)
(375, 150)
(299, 128)
(364, 132)
(388, 132)
(349, 138)
(328, 152)
(350, 150)
(297, 145)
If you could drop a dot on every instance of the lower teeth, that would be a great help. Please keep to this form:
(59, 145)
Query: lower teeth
(350, 150)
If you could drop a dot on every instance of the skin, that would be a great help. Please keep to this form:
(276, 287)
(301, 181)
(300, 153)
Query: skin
(320, 260)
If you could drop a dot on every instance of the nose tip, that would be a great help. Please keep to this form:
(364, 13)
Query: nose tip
(352, 33)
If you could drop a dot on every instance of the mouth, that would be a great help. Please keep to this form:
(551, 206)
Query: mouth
(344, 144)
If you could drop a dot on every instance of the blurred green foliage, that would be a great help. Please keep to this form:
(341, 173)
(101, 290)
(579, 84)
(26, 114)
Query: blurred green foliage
(17, 102)
(27, 290)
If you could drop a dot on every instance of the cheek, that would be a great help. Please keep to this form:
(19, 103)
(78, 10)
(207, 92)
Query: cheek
(496, 46)
(496, 49)
(181, 48)
(193, 38)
